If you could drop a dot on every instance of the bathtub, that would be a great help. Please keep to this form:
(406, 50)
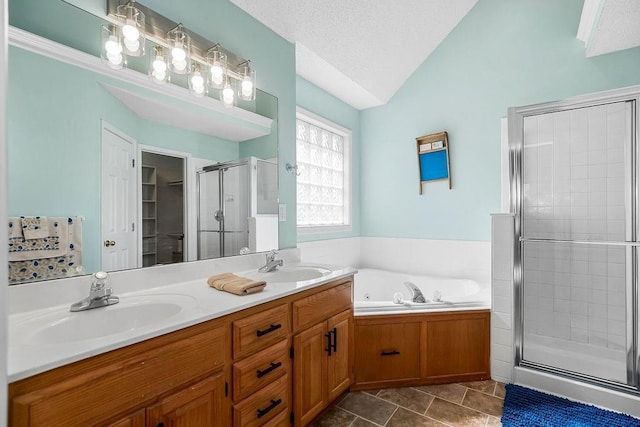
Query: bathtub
(374, 293)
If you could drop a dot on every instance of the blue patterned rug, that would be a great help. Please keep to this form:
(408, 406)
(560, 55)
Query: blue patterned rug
(524, 407)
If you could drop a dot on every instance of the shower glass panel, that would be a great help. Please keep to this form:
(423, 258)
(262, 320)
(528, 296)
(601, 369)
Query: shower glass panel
(223, 209)
(578, 231)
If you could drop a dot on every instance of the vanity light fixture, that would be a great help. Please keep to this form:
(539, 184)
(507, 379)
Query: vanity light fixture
(196, 81)
(248, 82)
(133, 28)
(158, 66)
(180, 50)
(217, 63)
(176, 50)
(112, 51)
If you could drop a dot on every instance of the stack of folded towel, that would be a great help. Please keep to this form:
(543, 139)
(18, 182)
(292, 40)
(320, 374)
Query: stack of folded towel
(237, 285)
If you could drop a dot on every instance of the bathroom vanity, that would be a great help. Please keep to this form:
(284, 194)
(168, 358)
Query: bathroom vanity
(277, 358)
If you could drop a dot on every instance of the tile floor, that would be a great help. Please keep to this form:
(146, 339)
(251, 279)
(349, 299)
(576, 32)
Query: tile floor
(477, 403)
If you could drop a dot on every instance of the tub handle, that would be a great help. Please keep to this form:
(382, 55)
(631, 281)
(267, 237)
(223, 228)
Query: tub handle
(390, 353)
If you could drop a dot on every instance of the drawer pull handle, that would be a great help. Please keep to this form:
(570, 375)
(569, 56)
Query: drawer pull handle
(269, 329)
(390, 353)
(265, 411)
(273, 366)
(160, 425)
(335, 340)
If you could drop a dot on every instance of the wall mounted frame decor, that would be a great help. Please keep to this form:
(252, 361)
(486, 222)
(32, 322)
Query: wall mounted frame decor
(433, 158)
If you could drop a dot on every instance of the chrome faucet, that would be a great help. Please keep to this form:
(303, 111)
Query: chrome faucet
(99, 295)
(272, 262)
(416, 293)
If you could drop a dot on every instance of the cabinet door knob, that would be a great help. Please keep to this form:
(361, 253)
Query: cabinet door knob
(109, 243)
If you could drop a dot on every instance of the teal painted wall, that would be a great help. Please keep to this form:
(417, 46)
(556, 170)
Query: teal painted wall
(313, 99)
(502, 54)
(219, 20)
(54, 142)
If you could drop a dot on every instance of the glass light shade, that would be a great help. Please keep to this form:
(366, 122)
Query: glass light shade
(217, 63)
(247, 84)
(158, 69)
(197, 83)
(179, 52)
(112, 52)
(228, 94)
(133, 29)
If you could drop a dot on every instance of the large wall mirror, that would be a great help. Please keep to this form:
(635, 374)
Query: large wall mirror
(107, 175)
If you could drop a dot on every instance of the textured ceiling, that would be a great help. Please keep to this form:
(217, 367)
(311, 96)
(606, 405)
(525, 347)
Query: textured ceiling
(616, 27)
(361, 51)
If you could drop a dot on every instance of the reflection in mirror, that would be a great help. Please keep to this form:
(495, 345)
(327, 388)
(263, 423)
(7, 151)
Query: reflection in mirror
(123, 177)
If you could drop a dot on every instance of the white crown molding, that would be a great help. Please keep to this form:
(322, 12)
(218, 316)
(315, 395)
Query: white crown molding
(42, 46)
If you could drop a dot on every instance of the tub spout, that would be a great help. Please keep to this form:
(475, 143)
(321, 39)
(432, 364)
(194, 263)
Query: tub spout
(416, 294)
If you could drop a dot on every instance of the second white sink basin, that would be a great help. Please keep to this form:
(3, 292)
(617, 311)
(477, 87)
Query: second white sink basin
(63, 326)
(289, 274)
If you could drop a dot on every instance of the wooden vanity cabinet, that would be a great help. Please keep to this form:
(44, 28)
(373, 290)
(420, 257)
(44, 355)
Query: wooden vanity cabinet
(244, 369)
(322, 350)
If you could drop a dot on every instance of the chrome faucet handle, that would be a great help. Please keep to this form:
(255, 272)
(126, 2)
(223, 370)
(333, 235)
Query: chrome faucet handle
(271, 255)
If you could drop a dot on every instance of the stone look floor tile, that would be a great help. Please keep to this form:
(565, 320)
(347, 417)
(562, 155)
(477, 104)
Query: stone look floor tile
(404, 418)
(407, 398)
(457, 415)
(368, 407)
(483, 386)
(494, 422)
(360, 422)
(451, 392)
(500, 390)
(483, 402)
(335, 417)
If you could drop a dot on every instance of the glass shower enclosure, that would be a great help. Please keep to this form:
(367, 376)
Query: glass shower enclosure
(230, 196)
(574, 190)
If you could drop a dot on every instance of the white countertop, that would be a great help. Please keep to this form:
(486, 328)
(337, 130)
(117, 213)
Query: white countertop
(27, 356)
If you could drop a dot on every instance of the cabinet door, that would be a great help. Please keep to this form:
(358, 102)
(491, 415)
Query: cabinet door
(134, 420)
(339, 363)
(309, 373)
(197, 405)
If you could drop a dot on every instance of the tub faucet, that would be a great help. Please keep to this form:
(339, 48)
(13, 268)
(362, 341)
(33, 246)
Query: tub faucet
(99, 295)
(272, 262)
(416, 293)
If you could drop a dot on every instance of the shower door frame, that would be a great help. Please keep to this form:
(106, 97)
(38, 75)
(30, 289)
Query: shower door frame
(219, 167)
(516, 117)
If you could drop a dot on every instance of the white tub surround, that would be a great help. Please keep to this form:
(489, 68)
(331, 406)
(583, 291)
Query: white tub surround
(502, 350)
(29, 356)
(375, 290)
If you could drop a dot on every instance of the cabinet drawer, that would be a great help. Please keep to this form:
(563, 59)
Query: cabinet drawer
(260, 330)
(263, 405)
(387, 352)
(318, 307)
(122, 384)
(254, 372)
(280, 420)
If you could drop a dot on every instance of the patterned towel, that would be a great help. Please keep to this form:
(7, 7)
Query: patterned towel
(58, 255)
(34, 227)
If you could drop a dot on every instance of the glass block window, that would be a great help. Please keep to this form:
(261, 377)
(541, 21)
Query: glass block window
(322, 155)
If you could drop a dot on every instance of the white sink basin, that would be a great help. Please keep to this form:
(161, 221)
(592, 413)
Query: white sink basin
(131, 313)
(289, 274)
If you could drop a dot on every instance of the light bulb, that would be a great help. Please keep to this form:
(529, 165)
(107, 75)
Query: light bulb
(114, 58)
(159, 75)
(217, 73)
(112, 46)
(159, 65)
(132, 45)
(178, 54)
(227, 95)
(179, 65)
(247, 88)
(197, 80)
(130, 31)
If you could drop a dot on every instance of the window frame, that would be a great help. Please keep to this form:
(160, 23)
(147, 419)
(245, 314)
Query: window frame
(346, 134)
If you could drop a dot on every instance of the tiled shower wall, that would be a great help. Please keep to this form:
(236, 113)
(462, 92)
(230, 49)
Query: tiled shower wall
(576, 176)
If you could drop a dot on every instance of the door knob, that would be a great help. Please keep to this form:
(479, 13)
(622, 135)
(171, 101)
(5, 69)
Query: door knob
(109, 243)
